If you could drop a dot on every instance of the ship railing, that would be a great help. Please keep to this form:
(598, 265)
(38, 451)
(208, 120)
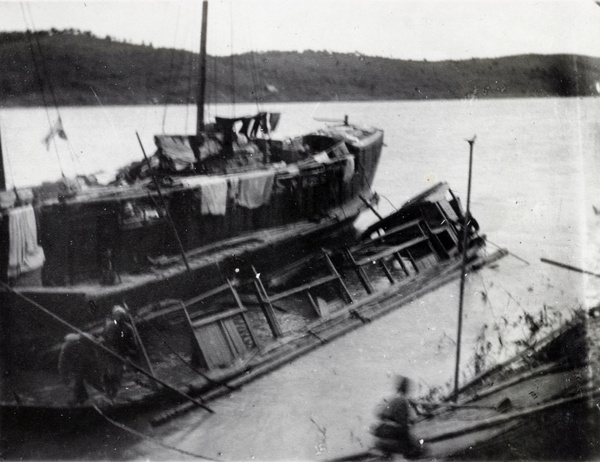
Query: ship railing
(267, 300)
(412, 235)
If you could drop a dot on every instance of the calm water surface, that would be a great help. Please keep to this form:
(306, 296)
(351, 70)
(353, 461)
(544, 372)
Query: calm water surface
(536, 169)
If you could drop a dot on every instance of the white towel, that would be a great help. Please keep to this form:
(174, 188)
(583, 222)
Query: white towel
(256, 189)
(24, 253)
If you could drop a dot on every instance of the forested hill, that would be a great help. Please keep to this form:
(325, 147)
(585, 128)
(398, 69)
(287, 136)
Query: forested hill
(77, 68)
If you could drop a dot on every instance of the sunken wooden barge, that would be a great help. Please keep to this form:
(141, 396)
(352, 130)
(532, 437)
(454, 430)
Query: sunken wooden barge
(254, 320)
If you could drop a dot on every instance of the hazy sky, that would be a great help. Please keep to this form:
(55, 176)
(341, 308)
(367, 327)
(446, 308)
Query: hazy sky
(409, 29)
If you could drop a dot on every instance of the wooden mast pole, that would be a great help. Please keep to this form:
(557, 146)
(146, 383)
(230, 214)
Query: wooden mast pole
(2, 173)
(202, 84)
(463, 270)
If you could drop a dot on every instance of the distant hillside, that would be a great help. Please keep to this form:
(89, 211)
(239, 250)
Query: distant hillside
(84, 69)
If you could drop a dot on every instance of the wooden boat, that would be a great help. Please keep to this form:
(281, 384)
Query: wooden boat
(175, 223)
(196, 348)
(540, 405)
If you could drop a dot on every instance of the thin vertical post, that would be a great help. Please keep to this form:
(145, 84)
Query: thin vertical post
(466, 220)
(265, 302)
(241, 306)
(164, 203)
(202, 83)
(2, 174)
(138, 339)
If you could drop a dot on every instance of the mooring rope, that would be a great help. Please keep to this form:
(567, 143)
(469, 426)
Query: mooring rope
(147, 437)
(106, 349)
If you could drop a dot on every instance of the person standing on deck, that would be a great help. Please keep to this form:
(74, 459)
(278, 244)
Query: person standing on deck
(118, 335)
(82, 362)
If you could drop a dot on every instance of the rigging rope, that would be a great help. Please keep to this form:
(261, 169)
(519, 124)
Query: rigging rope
(232, 60)
(182, 359)
(193, 62)
(147, 437)
(40, 83)
(9, 162)
(104, 348)
(72, 153)
(171, 71)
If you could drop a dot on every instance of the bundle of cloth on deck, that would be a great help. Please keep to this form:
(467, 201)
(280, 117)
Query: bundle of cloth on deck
(24, 253)
(175, 152)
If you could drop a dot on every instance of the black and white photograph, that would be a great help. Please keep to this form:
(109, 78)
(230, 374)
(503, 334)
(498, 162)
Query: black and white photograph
(299, 230)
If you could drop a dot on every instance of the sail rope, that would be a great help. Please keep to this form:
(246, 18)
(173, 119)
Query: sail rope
(181, 359)
(510, 253)
(9, 161)
(40, 83)
(104, 347)
(146, 437)
(40, 77)
(171, 72)
(255, 81)
(232, 59)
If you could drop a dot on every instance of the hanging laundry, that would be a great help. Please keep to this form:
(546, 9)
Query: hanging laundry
(24, 253)
(256, 189)
(234, 187)
(213, 196)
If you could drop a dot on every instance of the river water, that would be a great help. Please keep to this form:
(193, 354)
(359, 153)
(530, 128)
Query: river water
(535, 183)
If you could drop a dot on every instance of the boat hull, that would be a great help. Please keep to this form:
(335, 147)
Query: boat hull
(242, 318)
(545, 412)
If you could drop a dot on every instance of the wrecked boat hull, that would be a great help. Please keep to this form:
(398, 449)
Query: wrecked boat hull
(241, 319)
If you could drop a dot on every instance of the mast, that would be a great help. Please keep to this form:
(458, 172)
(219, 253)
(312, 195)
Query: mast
(2, 174)
(202, 84)
(463, 269)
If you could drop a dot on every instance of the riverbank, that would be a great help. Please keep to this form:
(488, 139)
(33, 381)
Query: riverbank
(82, 69)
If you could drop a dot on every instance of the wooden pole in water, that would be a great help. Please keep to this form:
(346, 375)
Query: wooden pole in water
(202, 83)
(569, 267)
(2, 174)
(105, 348)
(463, 271)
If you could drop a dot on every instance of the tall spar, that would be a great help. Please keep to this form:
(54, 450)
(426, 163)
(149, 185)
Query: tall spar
(463, 270)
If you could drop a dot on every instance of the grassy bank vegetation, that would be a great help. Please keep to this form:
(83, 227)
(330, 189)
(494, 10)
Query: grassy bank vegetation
(77, 68)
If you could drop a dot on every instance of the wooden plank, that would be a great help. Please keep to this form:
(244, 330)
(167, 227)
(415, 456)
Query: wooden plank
(198, 358)
(344, 290)
(205, 295)
(424, 227)
(360, 272)
(217, 317)
(391, 250)
(387, 271)
(412, 261)
(172, 309)
(398, 258)
(142, 347)
(240, 305)
(266, 305)
(311, 285)
(314, 304)
(396, 229)
(214, 345)
(235, 339)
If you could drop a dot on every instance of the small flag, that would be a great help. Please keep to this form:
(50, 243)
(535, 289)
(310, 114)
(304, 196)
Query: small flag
(56, 130)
